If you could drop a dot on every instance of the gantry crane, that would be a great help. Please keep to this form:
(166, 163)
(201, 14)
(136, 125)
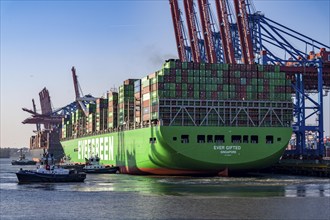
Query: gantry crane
(197, 45)
(225, 32)
(81, 101)
(181, 41)
(244, 31)
(35, 111)
(48, 117)
(248, 39)
(207, 31)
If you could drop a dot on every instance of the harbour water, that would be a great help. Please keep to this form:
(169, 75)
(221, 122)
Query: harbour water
(118, 196)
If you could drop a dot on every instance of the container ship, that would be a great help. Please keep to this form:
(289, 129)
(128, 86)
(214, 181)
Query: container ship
(187, 119)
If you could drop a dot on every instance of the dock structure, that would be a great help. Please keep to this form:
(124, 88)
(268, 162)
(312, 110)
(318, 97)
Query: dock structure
(320, 168)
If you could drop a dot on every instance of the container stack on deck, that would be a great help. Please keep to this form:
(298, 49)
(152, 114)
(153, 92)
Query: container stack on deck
(112, 110)
(195, 86)
(91, 119)
(126, 103)
(101, 114)
(137, 98)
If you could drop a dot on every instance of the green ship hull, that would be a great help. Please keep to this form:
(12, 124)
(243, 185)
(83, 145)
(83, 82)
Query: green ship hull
(183, 150)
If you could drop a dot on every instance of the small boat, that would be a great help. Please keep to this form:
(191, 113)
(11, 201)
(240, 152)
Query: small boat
(22, 160)
(93, 166)
(47, 171)
(66, 163)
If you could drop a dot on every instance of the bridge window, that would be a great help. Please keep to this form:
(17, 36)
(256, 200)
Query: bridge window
(200, 138)
(185, 139)
(219, 139)
(269, 139)
(245, 139)
(236, 139)
(254, 139)
(175, 138)
(279, 139)
(209, 138)
(152, 140)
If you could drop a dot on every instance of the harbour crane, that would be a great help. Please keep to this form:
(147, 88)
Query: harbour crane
(82, 101)
(248, 39)
(47, 117)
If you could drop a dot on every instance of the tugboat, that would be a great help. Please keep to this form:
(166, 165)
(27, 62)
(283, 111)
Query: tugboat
(47, 171)
(66, 163)
(93, 166)
(22, 160)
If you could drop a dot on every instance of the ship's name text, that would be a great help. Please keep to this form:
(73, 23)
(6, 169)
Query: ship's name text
(227, 150)
(103, 147)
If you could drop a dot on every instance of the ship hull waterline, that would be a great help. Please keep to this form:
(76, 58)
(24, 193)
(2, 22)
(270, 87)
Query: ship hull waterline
(179, 150)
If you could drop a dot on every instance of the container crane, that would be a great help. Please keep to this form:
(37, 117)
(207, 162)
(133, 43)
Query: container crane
(45, 103)
(309, 72)
(244, 31)
(207, 31)
(183, 49)
(47, 117)
(225, 32)
(81, 101)
(35, 111)
(196, 45)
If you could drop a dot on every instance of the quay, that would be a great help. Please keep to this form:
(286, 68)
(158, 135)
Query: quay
(320, 168)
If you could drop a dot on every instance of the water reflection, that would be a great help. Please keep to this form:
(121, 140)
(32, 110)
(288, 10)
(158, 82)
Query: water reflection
(309, 190)
(260, 185)
(214, 186)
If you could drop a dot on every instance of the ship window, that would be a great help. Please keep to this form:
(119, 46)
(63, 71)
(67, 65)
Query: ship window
(254, 139)
(245, 139)
(279, 139)
(209, 138)
(152, 140)
(200, 138)
(175, 138)
(219, 139)
(184, 139)
(236, 139)
(269, 139)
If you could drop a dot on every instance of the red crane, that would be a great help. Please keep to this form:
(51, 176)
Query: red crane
(207, 31)
(192, 30)
(225, 31)
(35, 110)
(179, 37)
(75, 83)
(46, 118)
(80, 100)
(244, 31)
(46, 106)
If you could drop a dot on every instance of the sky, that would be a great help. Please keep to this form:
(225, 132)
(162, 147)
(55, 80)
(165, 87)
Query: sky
(107, 42)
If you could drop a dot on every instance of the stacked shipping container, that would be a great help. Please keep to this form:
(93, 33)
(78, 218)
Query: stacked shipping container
(112, 110)
(142, 101)
(126, 103)
(101, 114)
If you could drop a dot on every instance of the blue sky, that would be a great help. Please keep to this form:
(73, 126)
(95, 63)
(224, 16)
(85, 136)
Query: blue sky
(107, 42)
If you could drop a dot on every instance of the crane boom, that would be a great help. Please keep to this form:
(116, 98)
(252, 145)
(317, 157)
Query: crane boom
(225, 31)
(75, 82)
(244, 31)
(46, 107)
(80, 100)
(207, 31)
(179, 36)
(35, 110)
(192, 30)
